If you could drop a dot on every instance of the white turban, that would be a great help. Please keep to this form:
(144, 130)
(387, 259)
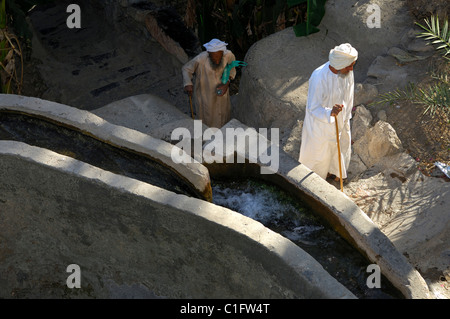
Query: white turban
(215, 45)
(342, 56)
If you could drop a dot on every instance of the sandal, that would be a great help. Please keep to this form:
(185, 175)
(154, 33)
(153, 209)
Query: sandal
(336, 179)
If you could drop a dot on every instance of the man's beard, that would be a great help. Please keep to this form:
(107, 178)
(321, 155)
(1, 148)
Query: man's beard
(215, 66)
(344, 75)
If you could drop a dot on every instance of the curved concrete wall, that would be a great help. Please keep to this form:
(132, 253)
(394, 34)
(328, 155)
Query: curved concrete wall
(195, 173)
(327, 201)
(132, 239)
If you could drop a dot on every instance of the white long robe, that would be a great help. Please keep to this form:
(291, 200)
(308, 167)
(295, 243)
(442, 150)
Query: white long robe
(213, 110)
(318, 149)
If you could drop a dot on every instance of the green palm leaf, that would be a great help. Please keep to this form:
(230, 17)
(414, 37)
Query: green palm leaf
(435, 34)
(433, 97)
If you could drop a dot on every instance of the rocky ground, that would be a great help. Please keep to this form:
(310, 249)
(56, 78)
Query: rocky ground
(426, 139)
(106, 66)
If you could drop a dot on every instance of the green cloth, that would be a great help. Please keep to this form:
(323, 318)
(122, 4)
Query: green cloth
(226, 71)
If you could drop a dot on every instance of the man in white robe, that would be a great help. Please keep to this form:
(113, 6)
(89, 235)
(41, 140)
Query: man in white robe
(212, 108)
(330, 92)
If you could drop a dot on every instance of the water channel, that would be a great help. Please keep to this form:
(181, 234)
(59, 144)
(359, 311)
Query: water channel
(285, 215)
(258, 200)
(42, 133)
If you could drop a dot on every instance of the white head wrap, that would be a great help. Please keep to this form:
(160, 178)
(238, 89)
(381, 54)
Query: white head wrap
(215, 45)
(342, 56)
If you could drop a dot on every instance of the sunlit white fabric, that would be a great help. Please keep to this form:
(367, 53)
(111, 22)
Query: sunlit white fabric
(318, 150)
(342, 56)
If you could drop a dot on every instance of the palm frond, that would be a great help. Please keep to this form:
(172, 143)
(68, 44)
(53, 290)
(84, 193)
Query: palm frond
(407, 94)
(441, 77)
(435, 97)
(436, 35)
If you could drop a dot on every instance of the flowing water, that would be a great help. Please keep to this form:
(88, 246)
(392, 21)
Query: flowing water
(287, 216)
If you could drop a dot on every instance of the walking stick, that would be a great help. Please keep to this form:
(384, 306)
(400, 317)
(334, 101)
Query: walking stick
(192, 110)
(339, 153)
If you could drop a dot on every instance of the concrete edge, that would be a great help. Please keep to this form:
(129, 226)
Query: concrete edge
(303, 268)
(88, 123)
(344, 215)
(361, 231)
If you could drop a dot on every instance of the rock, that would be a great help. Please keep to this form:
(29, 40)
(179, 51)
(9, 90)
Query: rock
(137, 14)
(401, 164)
(370, 42)
(420, 45)
(167, 27)
(364, 93)
(381, 67)
(403, 56)
(447, 274)
(388, 73)
(356, 167)
(166, 42)
(382, 116)
(360, 122)
(378, 142)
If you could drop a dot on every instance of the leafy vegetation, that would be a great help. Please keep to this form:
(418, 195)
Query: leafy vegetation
(11, 70)
(437, 35)
(435, 96)
(315, 11)
(243, 22)
(13, 17)
(18, 10)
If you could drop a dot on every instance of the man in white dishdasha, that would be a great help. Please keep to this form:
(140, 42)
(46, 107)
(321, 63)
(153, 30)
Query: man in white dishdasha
(330, 94)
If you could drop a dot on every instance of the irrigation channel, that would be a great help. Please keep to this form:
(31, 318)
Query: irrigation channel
(258, 200)
(282, 213)
(69, 142)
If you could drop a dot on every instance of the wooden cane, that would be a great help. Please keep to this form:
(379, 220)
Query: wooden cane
(339, 153)
(192, 110)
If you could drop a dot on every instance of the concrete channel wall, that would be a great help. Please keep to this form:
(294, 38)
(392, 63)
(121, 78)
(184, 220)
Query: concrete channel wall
(325, 200)
(131, 239)
(90, 124)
